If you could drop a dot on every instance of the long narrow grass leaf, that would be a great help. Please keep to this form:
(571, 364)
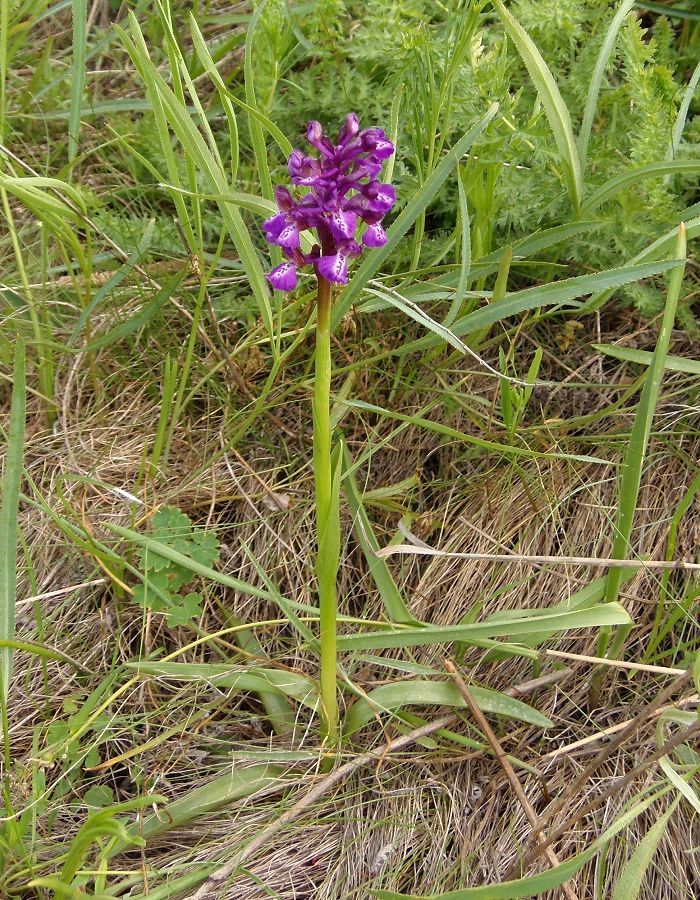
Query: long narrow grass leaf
(597, 616)
(419, 692)
(635, 176)
(9, 506)
(394, 604)
(629, 884)
(631, 477)
(646, 357)
(408, 216)
(601, 64)
(77, 75)
(552, 101)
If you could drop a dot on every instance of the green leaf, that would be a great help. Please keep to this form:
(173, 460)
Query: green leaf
(639, 438)
(645, 358)
(390, 697)
(506, 450)
(185, 609)
(635, 176)
(9, 506)
(298, 687)
(552, 101)
(99, 795)
(682, 116)
(204, 158)
(77, 74)
(555, 293)
(396, 609)
(597, 79)
(495, 626)
(140, 319)
(629, 883)
(235, 784)
(661, 247)
(407, 217)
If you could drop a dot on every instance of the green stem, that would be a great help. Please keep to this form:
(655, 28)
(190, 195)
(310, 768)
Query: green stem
(326, 564)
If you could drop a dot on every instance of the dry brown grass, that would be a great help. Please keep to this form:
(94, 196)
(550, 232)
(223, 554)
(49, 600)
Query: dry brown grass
(433, 817)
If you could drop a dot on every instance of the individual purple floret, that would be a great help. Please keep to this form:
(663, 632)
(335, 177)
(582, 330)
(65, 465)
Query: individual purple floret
(344, 192)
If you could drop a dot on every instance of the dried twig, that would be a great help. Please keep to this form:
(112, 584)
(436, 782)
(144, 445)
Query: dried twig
(568, 749)
(502, 758)
(605, 752)
(593, 561)
(614, 788)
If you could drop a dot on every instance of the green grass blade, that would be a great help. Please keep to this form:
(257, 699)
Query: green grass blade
(256, 133)
(390, 697)
(112, 282)
(639, 438)
(682, 116)
(394, 604)
(597, 79)
(250, 678)
(209, 66)
(4, 63)
(646, 357)
(635, 176)
(9, 506)
(77, 75)
(140, 319)
(199, 150)
(597, 616)
(567, 291)
(552, 101)
(408, 216)
(219, 792)
(449, 432)
(662, 246)
(629, 884)
(413, 311)
(677, 12)
(465, 254)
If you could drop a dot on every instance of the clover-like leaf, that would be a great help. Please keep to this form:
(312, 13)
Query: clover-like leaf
(188, 608)
(169, 523)
(206, 547)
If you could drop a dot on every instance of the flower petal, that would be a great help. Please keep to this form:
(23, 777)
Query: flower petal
(284, 199)
(342, 224)
(274, 225)
(374, 236)
(303, 169)
(317, 139)
(380, 197)
(374, 140)
(283, 277)
(349, 129)
(333, 268)
(288, 237)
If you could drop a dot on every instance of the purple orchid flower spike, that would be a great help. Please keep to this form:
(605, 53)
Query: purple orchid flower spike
(344, 195)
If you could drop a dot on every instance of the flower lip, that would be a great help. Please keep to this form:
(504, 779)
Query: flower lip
(374, 236)
(333, 268)
(283, 277)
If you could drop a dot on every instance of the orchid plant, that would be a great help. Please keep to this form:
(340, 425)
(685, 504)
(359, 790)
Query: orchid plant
(344, 205)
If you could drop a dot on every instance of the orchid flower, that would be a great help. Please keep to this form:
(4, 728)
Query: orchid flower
(344, 195)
